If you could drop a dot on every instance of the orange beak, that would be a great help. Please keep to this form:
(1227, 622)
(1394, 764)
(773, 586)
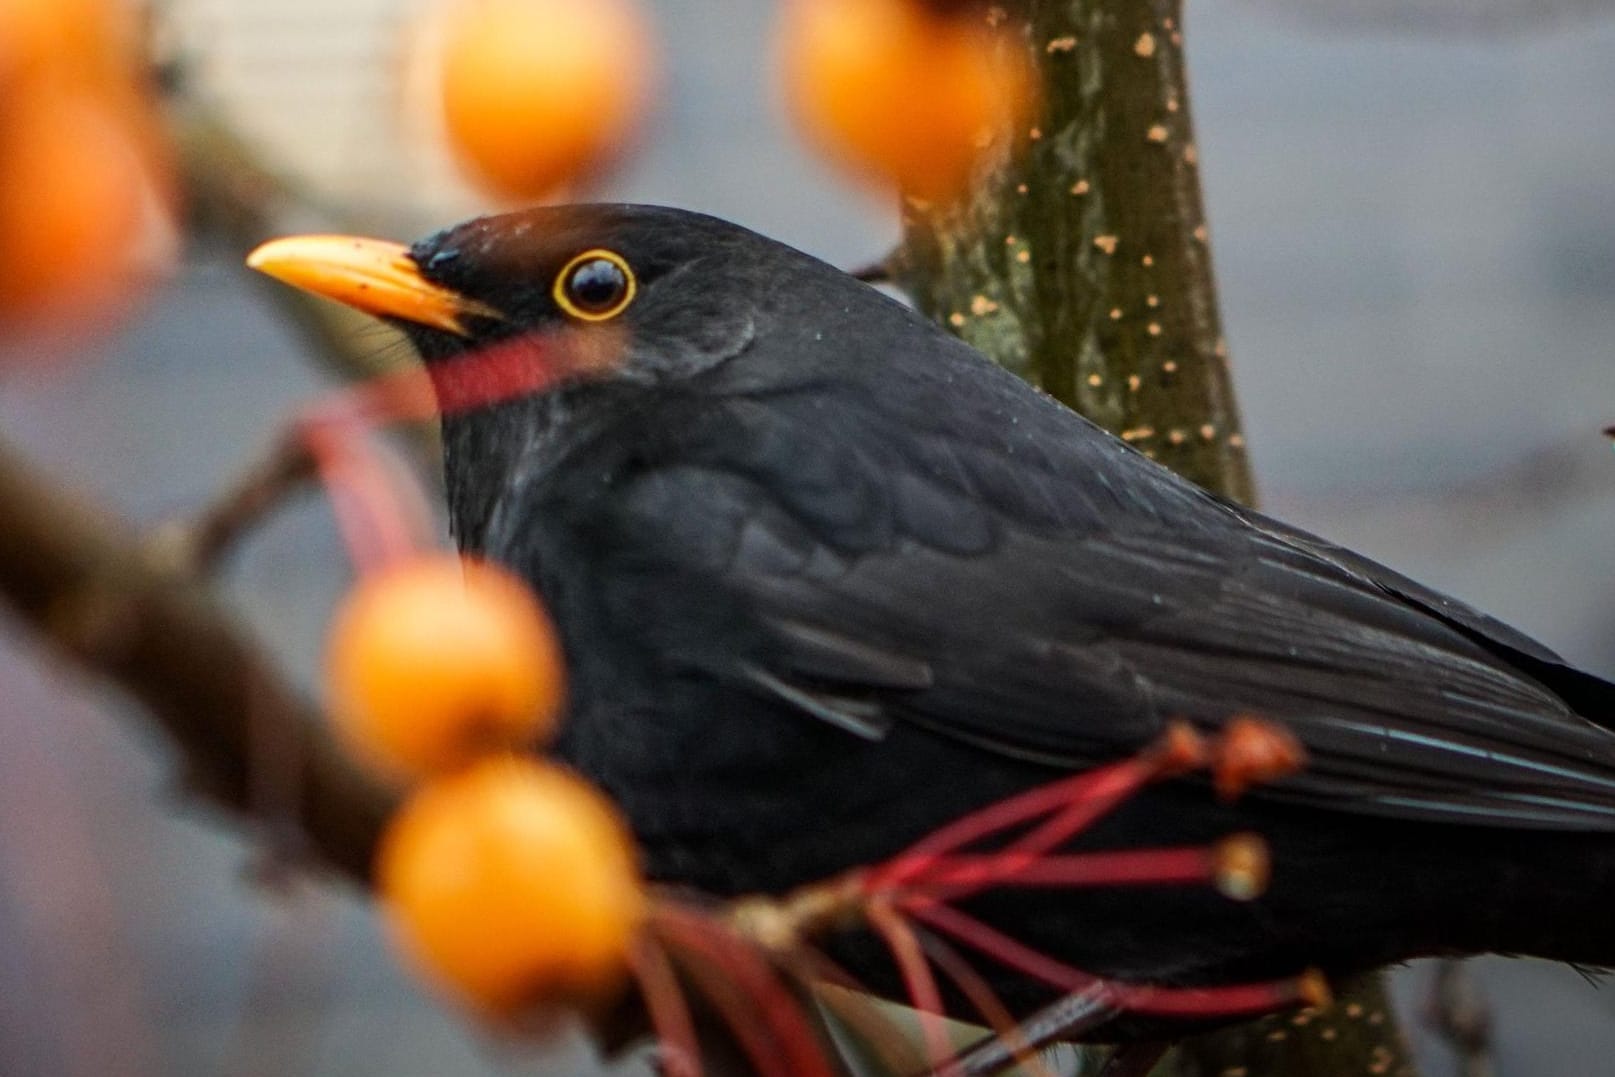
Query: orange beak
(371, 275)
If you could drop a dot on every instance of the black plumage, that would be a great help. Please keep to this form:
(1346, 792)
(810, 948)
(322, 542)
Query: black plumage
(827, 578)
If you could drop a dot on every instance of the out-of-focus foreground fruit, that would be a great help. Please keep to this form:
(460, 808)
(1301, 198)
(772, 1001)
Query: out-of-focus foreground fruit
(537, 94)
(433, 661)
(92, 42)
(904, 91)
(84, 180)
(73, 196)
(513, 883)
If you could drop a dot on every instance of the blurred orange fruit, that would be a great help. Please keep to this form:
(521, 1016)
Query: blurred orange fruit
(903, 91)
(76, 190)
(538, 93)
(93, 42)
(435, 660)
(513, 882)
(86, 184)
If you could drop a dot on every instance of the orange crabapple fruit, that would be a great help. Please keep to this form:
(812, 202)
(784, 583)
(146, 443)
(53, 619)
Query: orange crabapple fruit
(902, 90)
(513, 882)
(539, 93)
(435, 660)
(75, 196)
(92, 42)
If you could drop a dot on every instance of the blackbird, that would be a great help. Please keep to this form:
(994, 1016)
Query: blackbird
(827, 578)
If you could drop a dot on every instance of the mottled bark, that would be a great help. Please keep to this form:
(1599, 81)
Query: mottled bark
(1356, 1037)
(1084, 265)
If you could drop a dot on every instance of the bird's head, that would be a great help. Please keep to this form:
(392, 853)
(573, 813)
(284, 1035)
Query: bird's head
(605, 292)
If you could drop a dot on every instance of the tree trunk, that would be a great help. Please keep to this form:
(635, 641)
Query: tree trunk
(1084, 265)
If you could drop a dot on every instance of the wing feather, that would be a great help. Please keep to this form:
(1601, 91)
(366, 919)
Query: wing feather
(978, 561)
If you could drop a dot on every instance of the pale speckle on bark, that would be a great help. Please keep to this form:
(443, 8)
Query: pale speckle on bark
(1112, 72)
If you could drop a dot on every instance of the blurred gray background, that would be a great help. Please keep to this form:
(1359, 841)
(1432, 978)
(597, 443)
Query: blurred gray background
(1414, 231)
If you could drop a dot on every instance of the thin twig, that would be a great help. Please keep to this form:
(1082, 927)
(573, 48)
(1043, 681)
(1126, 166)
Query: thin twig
(197, 545)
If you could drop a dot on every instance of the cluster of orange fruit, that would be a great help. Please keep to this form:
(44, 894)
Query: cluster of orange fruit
(507, 879)
(84, 176)
(538, 93)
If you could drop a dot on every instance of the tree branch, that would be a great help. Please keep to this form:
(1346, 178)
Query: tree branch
(82, 581)
(196, 545)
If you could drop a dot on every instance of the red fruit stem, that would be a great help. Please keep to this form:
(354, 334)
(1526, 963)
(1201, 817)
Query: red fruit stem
(1179, 750)
(374, 528)
(917, 980)
(782, 1042)
(975, 988)
(1002, 948)
(1225, 1000)
(739, 1012)
(1078, 800)
(950, 877)
(402, 494)
(669, 1015)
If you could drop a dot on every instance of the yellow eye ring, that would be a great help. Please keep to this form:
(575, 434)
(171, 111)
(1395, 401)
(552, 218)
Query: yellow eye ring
(595, 286)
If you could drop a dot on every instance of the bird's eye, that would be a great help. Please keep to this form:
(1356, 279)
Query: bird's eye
(595, 285)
